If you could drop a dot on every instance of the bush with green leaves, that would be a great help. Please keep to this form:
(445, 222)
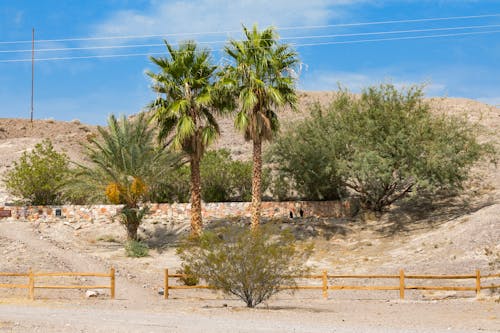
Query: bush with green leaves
(173, 187)
(251, 265)
(136, 249)
(39, 175)
(222, 179)
(187, 278)
(381, 145)
(304, 158)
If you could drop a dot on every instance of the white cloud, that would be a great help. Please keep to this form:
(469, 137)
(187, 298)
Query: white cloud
(219, 15)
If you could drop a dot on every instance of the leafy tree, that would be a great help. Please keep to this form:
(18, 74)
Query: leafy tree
(39, 175)
(383, 145)
(251, 265)
(173, 187)
(224, 179)
(186, 109)
(305, 161)
(261, 78)
(124, 165)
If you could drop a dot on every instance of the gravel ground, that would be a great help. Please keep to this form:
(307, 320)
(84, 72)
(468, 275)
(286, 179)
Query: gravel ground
(212, 316)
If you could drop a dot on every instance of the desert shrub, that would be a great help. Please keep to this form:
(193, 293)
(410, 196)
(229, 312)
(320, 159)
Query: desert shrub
(190, 279)
(136, 249)
(222, 179)
(305, 167)
(251, 265)
(382, 146)
(281, 189)
(39, 175)
(174, 187)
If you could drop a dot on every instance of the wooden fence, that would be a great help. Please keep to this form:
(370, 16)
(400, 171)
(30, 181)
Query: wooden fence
(32, 285)
(401, 287)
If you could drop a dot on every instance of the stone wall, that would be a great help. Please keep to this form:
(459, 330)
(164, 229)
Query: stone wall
(180, 211)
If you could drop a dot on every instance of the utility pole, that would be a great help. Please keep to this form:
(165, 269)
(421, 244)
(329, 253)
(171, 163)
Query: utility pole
(32, 71)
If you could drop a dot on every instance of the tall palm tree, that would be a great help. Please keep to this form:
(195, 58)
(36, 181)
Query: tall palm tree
(262, 77)
(185, 109)
(124, 164)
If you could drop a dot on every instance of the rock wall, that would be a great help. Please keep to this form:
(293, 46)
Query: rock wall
(181, 211)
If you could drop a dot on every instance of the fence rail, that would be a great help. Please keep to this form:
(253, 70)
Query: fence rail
(401, 287)
(32, 285)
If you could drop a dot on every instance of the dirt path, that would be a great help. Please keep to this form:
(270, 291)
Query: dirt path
(311, 316)
(70, 259)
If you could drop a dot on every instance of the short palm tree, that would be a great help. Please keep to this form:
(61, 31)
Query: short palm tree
(262, 78)
(124, 164)
(185, 110)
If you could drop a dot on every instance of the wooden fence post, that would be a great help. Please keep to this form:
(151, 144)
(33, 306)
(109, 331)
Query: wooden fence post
(165, 287)
(478, 282)
(401, 284)
(31, 284)
(113, 282)
(325, 284)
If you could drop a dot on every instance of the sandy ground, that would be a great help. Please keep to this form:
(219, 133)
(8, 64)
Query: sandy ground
(279, 316)
(139, 308)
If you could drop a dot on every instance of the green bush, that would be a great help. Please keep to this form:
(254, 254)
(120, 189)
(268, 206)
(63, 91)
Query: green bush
(136, 249)
(39, 175)
(382, 145)
(249, 265)
(304, 158)
(174, 187)
(190, 279)
(222, 179)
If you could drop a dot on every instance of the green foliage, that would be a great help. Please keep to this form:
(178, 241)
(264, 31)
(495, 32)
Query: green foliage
(223, 179)
(188, 101)
(39, 175)
(305, 160)
(125, 166)
(173, 187)
(382, 146)
(188, 98)
(251, 265)
(262, 80)
(136, 249)
(190, 279)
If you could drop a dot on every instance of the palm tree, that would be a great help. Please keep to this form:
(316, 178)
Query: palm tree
(185, 110)
(262, 78)
(124, 165)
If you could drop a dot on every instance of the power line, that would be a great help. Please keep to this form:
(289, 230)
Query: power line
(284, 38)
(401, 38)
(295, 45)
(278, 28)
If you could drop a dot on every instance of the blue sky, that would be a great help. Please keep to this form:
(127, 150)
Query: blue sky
(465, 65)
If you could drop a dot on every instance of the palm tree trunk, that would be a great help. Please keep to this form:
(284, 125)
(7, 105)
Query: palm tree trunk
(196, 221)
(256, 183)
